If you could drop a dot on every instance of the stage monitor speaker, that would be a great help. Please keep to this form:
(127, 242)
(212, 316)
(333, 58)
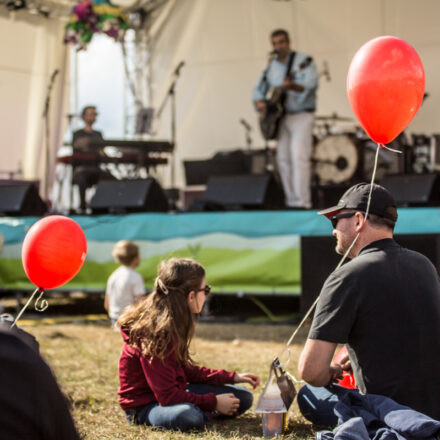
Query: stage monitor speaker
(413, 189)
(319, 260)
(243, 192)
(324, 196)
(223, 163)
(21, 199)
(119, 196)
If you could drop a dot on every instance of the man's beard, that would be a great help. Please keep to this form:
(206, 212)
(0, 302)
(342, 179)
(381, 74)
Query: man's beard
(342, 246)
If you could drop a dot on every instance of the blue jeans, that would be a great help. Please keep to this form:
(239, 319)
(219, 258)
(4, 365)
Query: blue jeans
(186, 416)
(317, 403)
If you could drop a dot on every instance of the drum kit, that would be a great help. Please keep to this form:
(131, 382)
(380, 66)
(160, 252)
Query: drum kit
(347, 156)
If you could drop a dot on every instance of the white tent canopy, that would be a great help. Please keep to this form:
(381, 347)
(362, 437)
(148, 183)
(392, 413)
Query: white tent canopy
(224, 44)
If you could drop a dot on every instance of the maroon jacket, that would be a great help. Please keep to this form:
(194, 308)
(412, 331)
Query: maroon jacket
(142, 382)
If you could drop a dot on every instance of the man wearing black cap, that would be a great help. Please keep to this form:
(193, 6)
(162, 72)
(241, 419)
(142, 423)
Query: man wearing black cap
(384, 305)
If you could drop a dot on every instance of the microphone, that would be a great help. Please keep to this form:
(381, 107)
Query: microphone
(180, 65)
(326, 72)
(246, 125)
(54, 74)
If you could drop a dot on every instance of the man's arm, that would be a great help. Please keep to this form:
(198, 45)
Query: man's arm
(315, 365)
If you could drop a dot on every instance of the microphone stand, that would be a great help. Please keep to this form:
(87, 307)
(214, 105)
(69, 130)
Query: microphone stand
(171, 93)
(47, 131)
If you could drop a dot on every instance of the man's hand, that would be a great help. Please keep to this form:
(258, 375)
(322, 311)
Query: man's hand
(335, 372)
(289, 85)
(261, 106)
(250, 378)
(227, 404)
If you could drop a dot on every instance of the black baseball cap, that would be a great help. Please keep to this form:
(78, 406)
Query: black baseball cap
(382, 202)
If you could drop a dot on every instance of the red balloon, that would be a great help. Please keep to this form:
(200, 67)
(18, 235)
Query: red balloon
(385, 86)
(54, 249)
(347, 380)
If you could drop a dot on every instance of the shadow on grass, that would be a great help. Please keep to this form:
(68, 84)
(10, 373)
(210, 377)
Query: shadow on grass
(249, 426)
(251, 332)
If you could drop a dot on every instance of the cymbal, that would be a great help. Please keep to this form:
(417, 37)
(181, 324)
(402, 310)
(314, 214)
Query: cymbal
(333, 117)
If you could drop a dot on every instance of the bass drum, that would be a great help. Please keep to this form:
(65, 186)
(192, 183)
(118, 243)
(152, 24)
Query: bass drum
(335, 159)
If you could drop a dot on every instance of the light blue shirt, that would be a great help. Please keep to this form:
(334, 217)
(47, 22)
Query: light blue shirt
(296, 101)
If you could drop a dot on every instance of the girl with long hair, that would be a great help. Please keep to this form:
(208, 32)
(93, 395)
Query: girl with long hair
(159, 383)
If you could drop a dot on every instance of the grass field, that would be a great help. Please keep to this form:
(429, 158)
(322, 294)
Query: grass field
(84, 358)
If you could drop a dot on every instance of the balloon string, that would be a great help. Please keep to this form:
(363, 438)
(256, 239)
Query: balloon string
(390, 149)
(312, 307)
(38, 289)
(44, 304)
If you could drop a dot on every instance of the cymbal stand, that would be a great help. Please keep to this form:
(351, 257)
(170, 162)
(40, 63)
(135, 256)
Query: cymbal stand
(47, 133)
(171, 94)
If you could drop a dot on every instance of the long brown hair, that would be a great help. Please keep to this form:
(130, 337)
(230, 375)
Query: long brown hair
(164, 319)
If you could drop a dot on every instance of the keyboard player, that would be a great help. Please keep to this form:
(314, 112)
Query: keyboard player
(88, 140)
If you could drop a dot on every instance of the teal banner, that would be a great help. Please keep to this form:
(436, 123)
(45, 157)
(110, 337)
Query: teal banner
(248, 252)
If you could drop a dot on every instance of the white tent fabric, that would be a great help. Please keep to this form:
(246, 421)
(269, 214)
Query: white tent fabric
(225, 45)
(32, 48)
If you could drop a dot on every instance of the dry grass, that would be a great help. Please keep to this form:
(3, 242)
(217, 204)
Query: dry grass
(85, 358)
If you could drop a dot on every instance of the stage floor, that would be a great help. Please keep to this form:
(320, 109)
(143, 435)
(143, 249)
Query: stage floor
(243, 252)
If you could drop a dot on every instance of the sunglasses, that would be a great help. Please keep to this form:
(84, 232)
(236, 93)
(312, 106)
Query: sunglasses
(336, 218)
(205, 289)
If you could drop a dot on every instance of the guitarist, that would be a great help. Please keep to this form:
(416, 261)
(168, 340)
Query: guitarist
(294, 134)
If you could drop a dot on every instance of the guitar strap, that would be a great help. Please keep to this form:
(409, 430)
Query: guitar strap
(288, 69)
(292, 56)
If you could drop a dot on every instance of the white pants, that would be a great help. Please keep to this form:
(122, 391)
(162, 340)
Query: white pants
(294, 152)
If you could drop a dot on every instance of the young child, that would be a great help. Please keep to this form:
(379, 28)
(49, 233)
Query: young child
(159, 383)
(125, 286)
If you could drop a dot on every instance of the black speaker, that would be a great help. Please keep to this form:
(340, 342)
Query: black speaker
(21, 199)
(319, 259)
(223, 163)
(324, 196)
(243, 192)
(118, 196)
(413, 189)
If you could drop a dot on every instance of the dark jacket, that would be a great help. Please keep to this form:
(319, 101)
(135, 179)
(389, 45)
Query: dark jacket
(370, 416)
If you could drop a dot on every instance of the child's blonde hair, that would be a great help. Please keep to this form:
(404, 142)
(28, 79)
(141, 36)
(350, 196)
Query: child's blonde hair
(124, 252)
(164, 320)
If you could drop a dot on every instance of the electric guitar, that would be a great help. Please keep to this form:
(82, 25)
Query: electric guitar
(275, 105)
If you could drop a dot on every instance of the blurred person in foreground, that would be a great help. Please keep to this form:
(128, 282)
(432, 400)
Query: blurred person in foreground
(32, 405)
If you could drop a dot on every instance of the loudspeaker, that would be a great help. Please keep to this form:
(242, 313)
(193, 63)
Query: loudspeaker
(119, 196)
(319, 260)
(223, 163)
(413, 189)
(21, 199)
(243, 192)
(324, 196)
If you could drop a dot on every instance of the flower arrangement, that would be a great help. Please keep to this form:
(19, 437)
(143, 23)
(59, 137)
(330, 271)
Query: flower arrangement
(91, 17)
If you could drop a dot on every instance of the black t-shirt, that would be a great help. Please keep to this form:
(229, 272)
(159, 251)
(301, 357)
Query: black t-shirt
(385, 305)
(91, 140)
(32, 406)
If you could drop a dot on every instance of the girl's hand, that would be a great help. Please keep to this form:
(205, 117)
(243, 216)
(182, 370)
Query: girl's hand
(227, 404)
(250, 378)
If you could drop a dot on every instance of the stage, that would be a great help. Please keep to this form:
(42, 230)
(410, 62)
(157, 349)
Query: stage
(258, 252)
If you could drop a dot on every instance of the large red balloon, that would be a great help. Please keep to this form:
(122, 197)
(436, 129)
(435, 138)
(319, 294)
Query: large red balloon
(385, 86)
(53, 251)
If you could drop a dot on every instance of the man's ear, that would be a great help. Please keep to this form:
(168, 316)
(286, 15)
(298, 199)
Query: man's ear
(360, 221)
(191, 295)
